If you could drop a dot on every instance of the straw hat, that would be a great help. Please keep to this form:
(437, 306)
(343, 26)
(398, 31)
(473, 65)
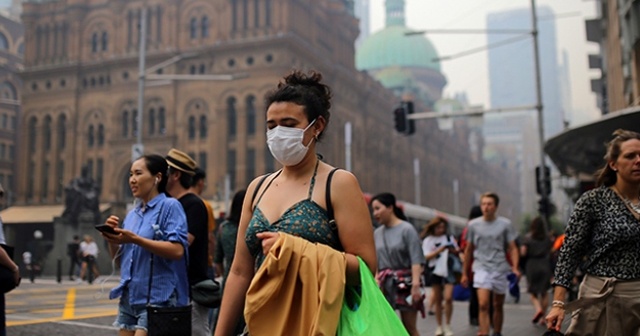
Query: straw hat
(181, 161)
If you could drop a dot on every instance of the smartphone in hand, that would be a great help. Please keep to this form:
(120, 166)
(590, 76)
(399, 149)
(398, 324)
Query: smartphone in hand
(105, 228)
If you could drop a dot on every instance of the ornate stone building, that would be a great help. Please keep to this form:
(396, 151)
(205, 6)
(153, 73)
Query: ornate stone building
(80, 91)
(11, 50)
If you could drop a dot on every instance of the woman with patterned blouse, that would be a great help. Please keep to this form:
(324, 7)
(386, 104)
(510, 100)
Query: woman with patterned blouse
(604, 234)
(294, 199)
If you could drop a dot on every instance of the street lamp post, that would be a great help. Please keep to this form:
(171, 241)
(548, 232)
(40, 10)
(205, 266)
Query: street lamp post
(161, 79)
(138, 148)
(544, 193)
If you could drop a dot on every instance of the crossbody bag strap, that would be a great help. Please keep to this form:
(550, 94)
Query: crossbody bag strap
(327, 195)
(151, 259)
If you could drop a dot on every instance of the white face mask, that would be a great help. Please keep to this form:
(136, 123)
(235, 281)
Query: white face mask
(285, 144)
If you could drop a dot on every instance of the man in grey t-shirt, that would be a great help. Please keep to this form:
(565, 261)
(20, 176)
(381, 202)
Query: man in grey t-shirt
(488, 238)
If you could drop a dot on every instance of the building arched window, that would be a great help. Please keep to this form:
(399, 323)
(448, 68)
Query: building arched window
(205, 27)
(193, 28)
(251, 114)
(46, 136)
(91, 137)
(59, 179)
(256, 13)
(100, 136)
(8, 91)
(33, 123)
(245, 14)
(4, 43)
(62, 131)
(162, 121)
(152, 121)
(231, 117)
(44, 191)
(192, 127)
(94, 42)
(125, 123)
(38, 42)
(203, 126)
(267, 13)
(134, 122)
(105, 41)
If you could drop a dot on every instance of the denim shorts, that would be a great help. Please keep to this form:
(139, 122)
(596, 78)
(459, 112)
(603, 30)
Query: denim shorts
(132, 317)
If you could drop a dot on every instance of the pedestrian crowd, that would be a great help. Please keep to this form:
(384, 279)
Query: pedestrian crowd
(298, 246)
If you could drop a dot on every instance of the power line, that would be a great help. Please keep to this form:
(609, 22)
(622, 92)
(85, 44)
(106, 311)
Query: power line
(487, 47)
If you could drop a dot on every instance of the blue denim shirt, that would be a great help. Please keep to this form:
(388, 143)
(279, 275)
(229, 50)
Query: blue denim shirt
(169, 276)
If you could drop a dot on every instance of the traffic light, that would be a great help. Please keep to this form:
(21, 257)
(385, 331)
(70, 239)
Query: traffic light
(547, 181)
(400, 118)
(402, 122)
(543, 207)
(411, 128)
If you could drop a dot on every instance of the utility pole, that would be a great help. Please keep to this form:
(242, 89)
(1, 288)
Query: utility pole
(138, 149)
(544, 193)
(541, 178)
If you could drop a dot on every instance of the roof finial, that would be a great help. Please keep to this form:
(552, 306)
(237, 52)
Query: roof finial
(395, 13)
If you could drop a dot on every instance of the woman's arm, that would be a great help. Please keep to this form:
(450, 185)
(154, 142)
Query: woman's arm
(354, 224)
(166, 249)
(240, 274)
(577, 239)
(435, 252)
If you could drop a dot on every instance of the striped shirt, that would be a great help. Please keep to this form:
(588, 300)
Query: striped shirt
(169, 276)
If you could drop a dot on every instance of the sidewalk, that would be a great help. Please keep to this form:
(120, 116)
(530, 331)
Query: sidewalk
(517, 319)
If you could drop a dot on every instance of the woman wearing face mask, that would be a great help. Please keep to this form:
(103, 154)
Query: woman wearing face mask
(296, 200)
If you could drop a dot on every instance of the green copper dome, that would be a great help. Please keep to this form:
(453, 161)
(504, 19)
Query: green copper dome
(395, 77)
(391, 47)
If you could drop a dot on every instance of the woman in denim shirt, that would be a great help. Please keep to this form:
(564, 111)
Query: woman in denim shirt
(156, 225)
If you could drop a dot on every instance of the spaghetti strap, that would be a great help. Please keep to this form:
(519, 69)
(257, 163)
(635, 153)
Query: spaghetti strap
(267, 187)
(313, 179)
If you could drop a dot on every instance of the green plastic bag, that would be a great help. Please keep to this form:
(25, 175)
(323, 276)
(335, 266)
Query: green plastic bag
(365, 311)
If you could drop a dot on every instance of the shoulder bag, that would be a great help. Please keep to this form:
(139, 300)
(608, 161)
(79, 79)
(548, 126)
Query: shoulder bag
(166, 321)
(7, 279)
(207, 293)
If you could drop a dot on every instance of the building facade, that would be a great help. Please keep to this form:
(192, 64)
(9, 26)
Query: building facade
(11, 50)
(80, 92)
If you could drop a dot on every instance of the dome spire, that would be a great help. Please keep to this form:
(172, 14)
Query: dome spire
(394, 13)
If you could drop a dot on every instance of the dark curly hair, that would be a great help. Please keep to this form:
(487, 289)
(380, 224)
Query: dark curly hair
(304, 90)
(605, 175)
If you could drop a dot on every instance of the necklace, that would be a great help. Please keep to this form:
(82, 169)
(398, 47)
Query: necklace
(635, 207)
(627, 201)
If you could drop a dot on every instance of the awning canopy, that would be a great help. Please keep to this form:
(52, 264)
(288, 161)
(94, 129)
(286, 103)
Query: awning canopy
(581, 150)
(36, 214)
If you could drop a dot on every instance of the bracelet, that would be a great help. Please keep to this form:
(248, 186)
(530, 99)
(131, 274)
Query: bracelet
(558, 304)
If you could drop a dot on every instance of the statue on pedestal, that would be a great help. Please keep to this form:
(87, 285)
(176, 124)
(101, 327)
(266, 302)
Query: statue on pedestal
(81, 194)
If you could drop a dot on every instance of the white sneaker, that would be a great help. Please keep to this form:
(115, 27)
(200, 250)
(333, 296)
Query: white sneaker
(439, 331)
(447, 331)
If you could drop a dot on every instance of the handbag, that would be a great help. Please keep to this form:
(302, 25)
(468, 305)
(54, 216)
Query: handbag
(166, 321)
(365, 310)
(7, 278)
(207, 293)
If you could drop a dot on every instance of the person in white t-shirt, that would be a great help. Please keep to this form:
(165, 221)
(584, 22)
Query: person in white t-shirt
(436, 242)
(89, 252)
